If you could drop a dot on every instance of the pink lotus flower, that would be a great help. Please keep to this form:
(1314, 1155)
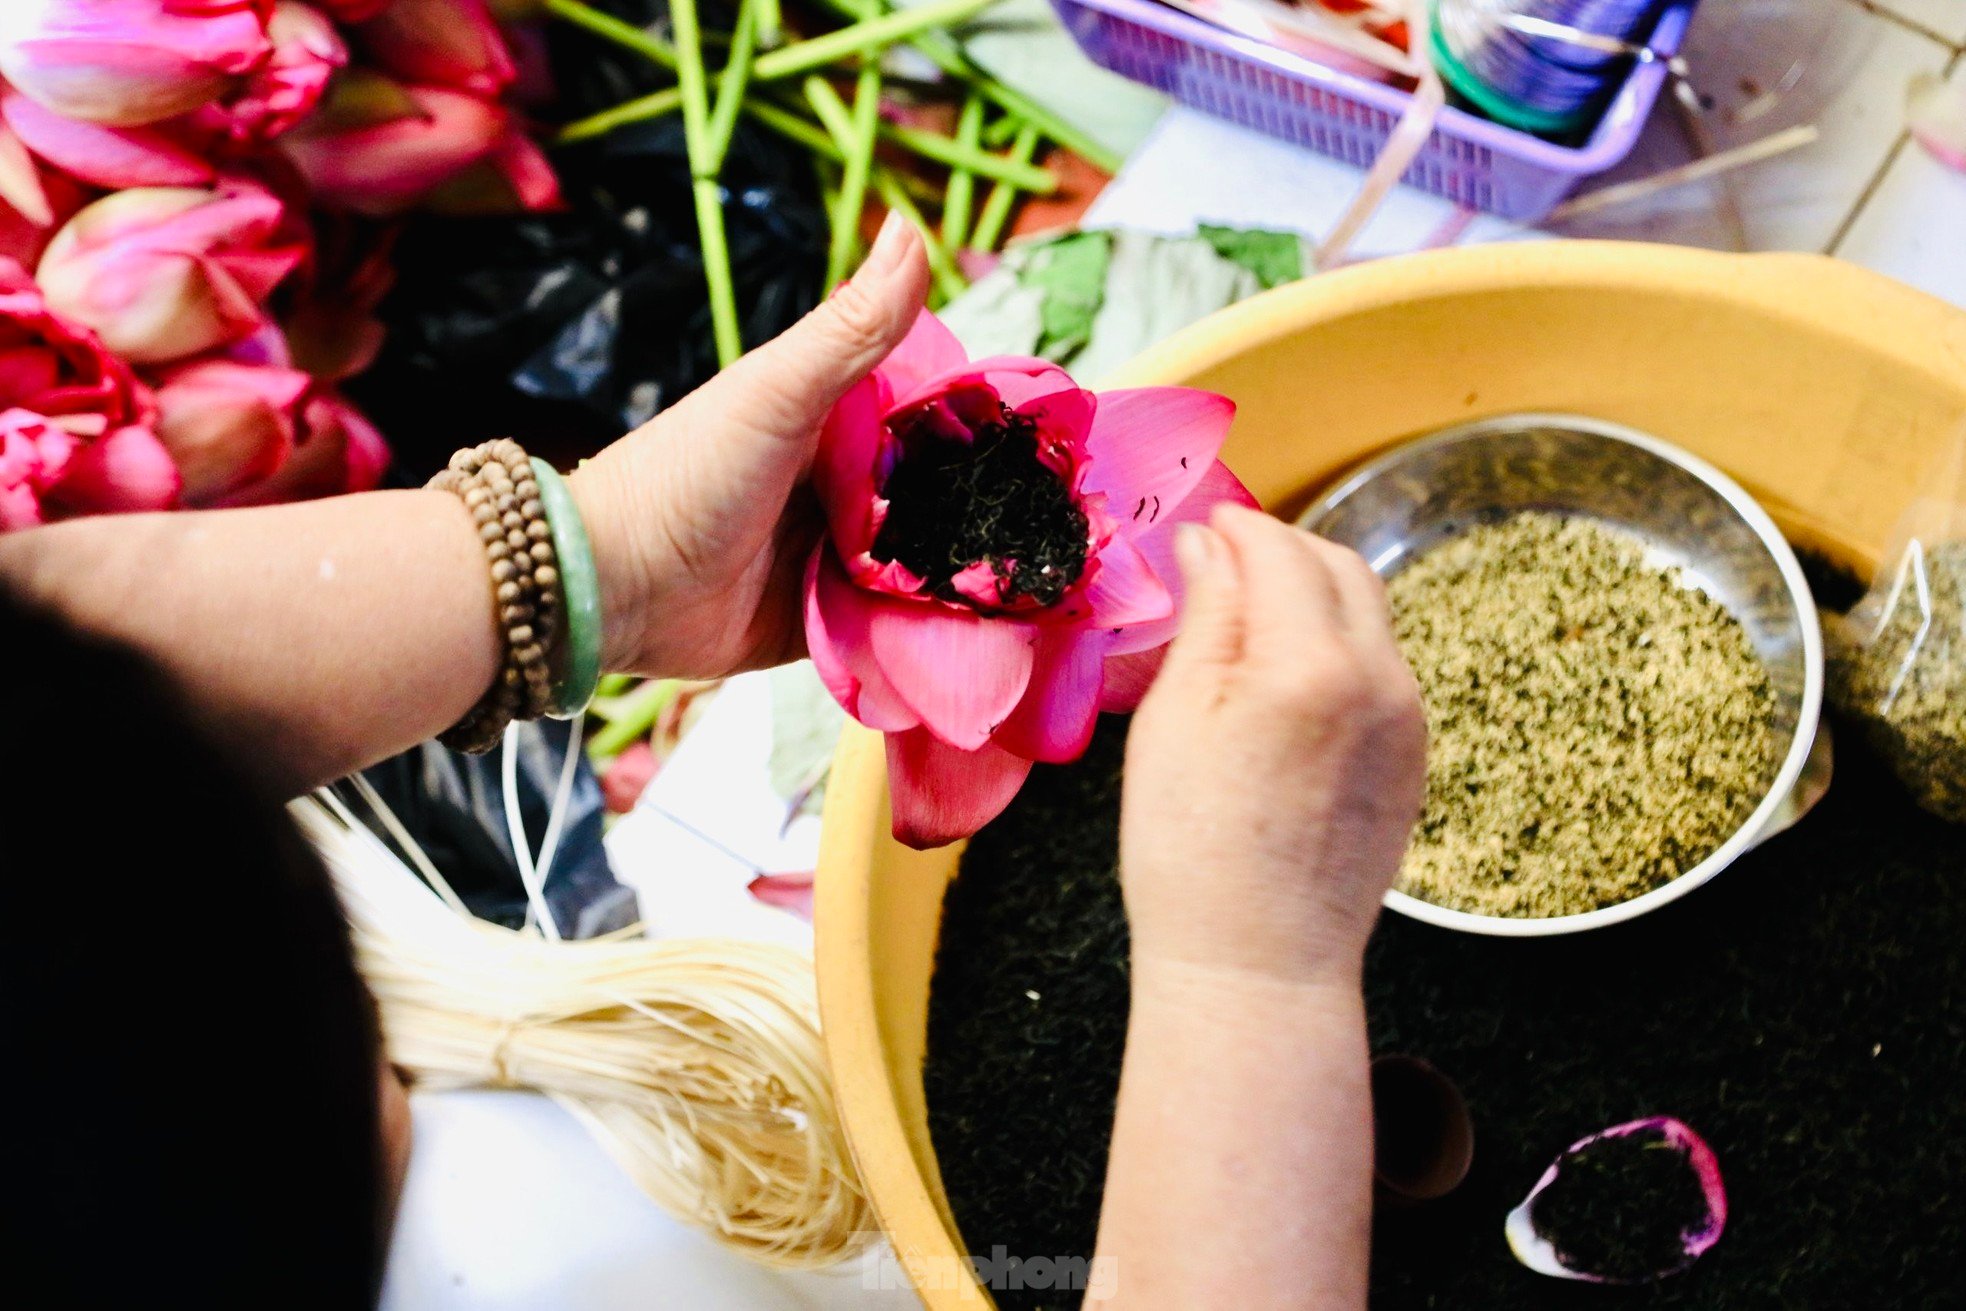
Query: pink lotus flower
(125, 63)
(163, 273)
(377, 146)
(998, 566)
(307, 51)
(77, 436)
(451, 43)
(229, 424)
(335, 450)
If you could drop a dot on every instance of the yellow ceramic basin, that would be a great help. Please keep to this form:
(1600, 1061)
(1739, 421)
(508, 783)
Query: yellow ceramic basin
(1825, 390)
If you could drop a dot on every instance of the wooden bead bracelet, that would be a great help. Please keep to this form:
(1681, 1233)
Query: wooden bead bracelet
(526, 518)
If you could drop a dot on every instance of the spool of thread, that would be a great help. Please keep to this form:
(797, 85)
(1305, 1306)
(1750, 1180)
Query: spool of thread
(1543, 66)
(1423, 1136)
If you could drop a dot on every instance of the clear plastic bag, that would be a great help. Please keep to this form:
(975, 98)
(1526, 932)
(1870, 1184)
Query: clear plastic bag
(1898, 659)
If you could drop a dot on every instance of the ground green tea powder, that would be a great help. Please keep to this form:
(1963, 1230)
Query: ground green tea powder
(1596, 726)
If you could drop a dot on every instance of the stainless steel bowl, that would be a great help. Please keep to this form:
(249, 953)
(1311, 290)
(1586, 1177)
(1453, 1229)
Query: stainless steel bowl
(1690, 514)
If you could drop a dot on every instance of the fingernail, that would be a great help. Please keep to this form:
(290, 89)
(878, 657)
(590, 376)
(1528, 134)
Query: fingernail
(1194, 549)
(895, 236)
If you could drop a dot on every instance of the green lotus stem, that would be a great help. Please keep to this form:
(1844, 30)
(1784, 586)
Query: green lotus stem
(771, 23)
(793, 128)
(635, 716)
(949, 279)
(853, 133)
(731, 83)
(961, 195)
(800, 56)
(610, 28)
(944, 52)
(704, 188)
(996, 210)
(612, 685)
(810, 135)
(639, 110)
(951, 151)
(804, 56)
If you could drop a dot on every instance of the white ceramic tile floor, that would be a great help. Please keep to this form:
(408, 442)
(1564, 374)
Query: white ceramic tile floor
(1913, 227)
(1943, 18)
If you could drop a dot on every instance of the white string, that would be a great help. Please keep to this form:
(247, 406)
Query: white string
(539, 912)
(549, 846)
(411, 847)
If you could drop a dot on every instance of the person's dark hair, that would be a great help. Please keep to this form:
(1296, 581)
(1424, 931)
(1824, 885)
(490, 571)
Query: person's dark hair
(192, 1057)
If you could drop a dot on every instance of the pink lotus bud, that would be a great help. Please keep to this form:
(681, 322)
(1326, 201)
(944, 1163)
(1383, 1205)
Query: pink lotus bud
(307, 51)
(228, 424)
(453, 43)
(379, 147)
(335, 450)
(164, 273)
(125, 63)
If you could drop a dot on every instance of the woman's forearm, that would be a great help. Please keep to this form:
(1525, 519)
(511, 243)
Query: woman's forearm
(1242, 1150)
(317, 638)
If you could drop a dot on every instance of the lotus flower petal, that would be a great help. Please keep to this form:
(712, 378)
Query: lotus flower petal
(1128, 678)
(106, 156)
(838, 616)
(941, 794)
(1054, 721)
(1124, 591)
(962, 673)
(788, 892)
(928, 350)
(1150, 446)
(1218, 486)
(1654, 1201)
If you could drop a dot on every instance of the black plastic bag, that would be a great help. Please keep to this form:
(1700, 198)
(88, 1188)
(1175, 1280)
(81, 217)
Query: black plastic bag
(454, 806)
(566, 330)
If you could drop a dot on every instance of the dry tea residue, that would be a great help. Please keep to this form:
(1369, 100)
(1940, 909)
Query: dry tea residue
(1905, 679)
(1596, 726)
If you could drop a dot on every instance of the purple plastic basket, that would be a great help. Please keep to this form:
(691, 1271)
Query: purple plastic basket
(1467, 159)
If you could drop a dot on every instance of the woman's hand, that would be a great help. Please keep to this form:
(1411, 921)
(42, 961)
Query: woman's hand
(700, 521)
(1275, 770)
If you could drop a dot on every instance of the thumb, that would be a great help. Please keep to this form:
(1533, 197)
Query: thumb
(782, 390)
(1212, 618)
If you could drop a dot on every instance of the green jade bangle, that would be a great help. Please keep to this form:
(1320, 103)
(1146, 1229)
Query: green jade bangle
(579, 668)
